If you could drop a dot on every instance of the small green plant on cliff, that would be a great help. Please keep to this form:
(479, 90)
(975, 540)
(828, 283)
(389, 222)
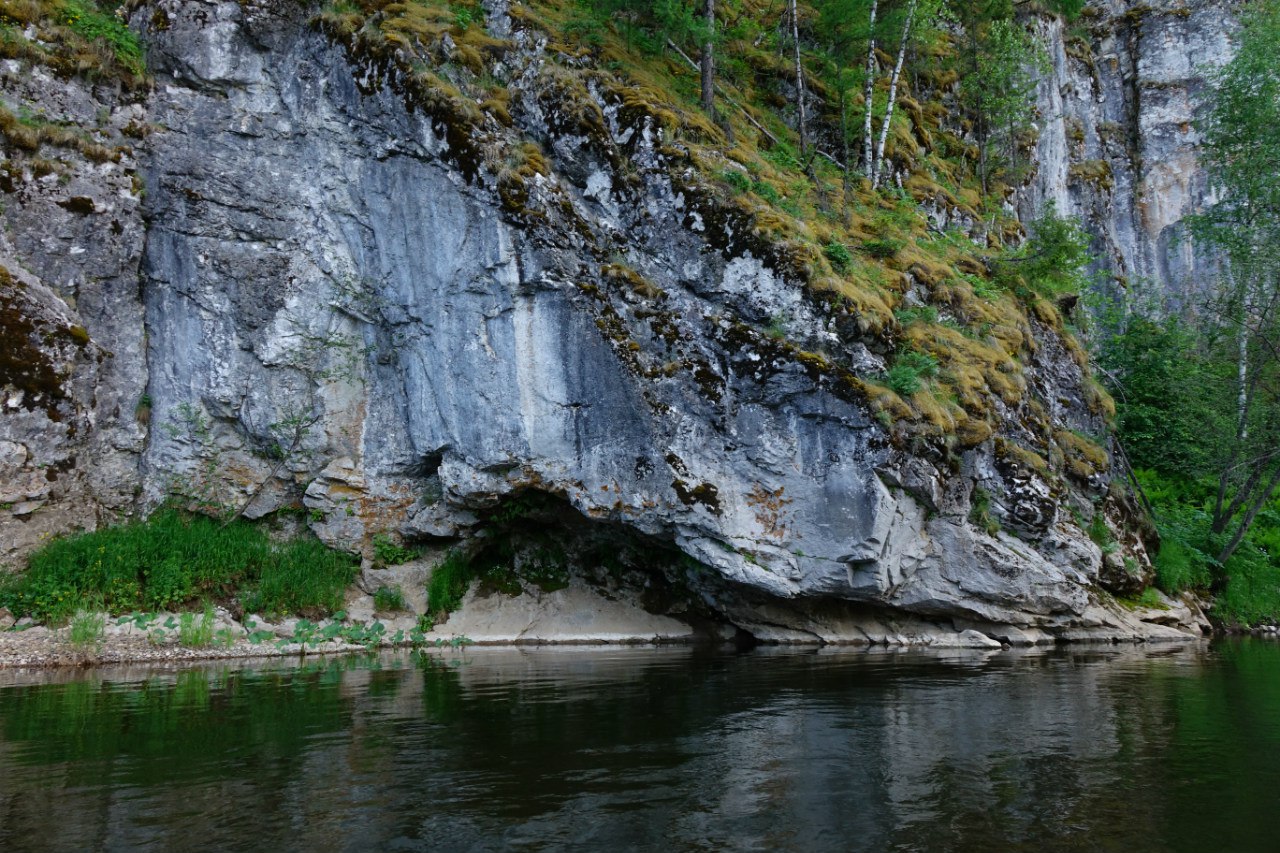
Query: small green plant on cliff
(909, 371)
(1100, 532)
(839, 256)
(390, 553)
(448, 584)
(980, 512)
(388, 599)
(87, 20)
(1051, 262)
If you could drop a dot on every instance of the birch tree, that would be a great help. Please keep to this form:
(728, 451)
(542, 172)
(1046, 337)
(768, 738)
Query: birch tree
(1241, 139)
(708, 66)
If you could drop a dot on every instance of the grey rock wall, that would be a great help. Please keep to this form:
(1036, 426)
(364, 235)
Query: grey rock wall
(339, 312)
(1117, 141)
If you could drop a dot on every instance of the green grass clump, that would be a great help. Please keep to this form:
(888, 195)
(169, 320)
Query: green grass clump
(193, 634)
(388, 599)
(736, 179)
(883, 248)
(449, 583)
(87, 20)
(87, 627)
(1100, 533)
(174, 559)
(980, 512)
(305, 576)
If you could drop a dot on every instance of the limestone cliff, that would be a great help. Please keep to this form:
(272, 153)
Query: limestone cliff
(1117, 141)
(299, 273)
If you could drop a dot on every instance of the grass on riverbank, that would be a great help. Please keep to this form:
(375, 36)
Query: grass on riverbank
(174, 560)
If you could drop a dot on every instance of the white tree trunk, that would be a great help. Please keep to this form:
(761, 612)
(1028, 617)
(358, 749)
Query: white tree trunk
(869, 93)
(893, 95)
(708, 69)
(795, 41)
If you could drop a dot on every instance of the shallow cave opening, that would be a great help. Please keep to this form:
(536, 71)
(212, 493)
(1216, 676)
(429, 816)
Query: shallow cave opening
(534, 540)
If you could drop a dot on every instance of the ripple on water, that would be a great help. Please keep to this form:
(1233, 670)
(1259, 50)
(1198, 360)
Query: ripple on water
(666, 749)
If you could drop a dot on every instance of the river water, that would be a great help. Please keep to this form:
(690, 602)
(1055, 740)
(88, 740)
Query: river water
(1089, 749)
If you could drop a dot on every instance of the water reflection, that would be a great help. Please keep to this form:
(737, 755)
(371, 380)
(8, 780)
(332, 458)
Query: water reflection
(653, 749)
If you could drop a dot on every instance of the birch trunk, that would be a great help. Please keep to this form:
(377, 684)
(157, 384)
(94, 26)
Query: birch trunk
(869, 93)
(893, 95)
(708, 61)
(795, 41)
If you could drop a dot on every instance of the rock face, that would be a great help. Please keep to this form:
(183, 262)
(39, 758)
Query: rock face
(1117, 143)
(339, 309)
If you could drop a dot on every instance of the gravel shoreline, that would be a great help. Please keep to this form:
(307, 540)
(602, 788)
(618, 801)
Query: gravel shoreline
(40, 648)
(154, 638)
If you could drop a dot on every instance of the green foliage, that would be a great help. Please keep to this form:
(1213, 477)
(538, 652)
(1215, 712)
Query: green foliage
(449, 583)
(390, 553)
(302, 576)
(882, 248)
(766, 191)
(1051, 262)
(388, 599)
(1100, 532)
(980, 512)
(172, 559)
(1248, 585)
(909, 371)
(1241, 139)
(839, 256)
(783, 156)
(1175, 397)
(1004, 62)
(916, 314)
(87, 20)
(1069, 9)
(739, 180)
(196, 634)
(87, 628)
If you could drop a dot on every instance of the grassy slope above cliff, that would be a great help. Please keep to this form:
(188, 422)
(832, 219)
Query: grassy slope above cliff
(954, 318)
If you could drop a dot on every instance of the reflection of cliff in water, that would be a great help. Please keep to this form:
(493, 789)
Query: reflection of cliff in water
(652, 749)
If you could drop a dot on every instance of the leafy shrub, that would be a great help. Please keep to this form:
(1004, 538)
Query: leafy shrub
(389, 553)
(838, 255)
(1051, 262)
(882, 248)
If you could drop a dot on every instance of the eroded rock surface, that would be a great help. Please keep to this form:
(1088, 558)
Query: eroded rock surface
(337, 309)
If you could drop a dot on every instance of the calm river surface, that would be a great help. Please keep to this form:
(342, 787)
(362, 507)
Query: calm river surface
(1097, 749)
